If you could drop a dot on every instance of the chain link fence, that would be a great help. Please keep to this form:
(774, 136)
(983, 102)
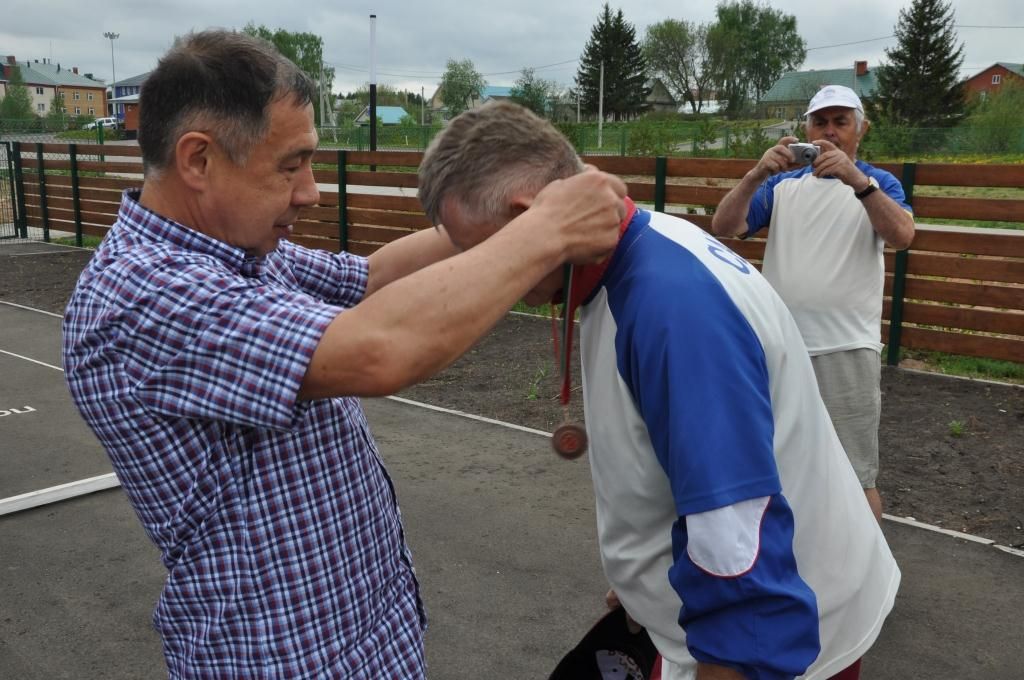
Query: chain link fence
(34, 178)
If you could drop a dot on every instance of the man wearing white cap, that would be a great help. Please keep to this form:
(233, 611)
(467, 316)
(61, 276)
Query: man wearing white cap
(828, 222)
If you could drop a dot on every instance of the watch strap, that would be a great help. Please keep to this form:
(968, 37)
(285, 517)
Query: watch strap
(868, 190)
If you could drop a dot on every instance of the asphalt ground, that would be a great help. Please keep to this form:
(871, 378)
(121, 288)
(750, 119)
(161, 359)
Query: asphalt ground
(502, 533)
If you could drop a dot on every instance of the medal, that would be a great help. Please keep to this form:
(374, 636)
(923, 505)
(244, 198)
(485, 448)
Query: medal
(570, 439)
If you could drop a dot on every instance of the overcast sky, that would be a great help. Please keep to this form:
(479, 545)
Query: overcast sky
(415, 38)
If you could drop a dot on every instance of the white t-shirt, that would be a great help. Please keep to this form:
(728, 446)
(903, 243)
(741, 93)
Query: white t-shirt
(823, 257)
(724, 498)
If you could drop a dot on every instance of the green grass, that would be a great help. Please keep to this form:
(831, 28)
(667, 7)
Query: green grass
(957, 428)
(87, 241)
(969, 367)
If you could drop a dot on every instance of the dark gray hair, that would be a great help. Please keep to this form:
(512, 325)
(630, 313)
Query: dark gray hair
(485, 156)
(219, 82)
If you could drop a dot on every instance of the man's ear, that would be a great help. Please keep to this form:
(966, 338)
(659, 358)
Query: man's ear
(864, 129)
(520, 204)
(192, 156)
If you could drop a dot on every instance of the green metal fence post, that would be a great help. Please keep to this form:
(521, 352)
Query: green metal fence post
(9, 171)
(899, 277)
(660, 172)
(342, 200)
(41, 175)
(75, 200)
(21, 219)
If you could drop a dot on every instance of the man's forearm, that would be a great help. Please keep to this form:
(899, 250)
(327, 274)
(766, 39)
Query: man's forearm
(730, 217)
(889, 220)
(407, 255)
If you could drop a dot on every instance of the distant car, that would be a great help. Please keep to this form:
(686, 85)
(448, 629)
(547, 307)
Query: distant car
(108, 122)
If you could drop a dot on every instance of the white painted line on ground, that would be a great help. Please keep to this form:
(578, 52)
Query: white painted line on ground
(34, 361)
(41, 252)
(910, 521)
(34, 499)
(512, 426)
(900, 520)
(463, 414)
(31, 309)
(1012, 551)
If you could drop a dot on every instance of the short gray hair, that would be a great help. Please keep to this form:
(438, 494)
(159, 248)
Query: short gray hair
(485, 156)
(218, 82)
(858, 119)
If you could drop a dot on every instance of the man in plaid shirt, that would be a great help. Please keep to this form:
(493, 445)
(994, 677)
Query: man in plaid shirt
(220, 367)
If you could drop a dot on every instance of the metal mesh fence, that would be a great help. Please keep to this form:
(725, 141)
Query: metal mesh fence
(27, 175)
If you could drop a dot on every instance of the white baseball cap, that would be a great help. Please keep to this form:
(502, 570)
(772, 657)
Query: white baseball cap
(834, 95)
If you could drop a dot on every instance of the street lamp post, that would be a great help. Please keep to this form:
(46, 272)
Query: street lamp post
(113, 74)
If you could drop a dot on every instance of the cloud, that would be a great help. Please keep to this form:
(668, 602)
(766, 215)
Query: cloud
(415, 39)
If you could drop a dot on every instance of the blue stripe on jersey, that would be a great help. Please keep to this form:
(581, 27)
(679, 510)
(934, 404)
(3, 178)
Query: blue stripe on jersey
(764, 622)
(759, 213)
(696, 371)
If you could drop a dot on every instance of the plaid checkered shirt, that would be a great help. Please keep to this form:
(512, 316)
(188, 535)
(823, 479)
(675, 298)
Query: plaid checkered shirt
(275, 518)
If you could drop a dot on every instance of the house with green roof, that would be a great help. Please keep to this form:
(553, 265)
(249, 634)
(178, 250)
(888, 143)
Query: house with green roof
(991, 80)
(788, 97)
(82, 94)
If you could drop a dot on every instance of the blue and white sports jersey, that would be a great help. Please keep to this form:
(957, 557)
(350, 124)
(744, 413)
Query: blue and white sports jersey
(730, 522)
(824, 257)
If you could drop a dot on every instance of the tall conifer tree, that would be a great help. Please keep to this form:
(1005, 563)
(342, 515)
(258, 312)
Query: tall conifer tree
(920, 86)
(613, 41)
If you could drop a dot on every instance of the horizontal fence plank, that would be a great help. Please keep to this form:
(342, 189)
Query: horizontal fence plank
(991, 209)
(385, 158)
(640, 191)
(971, 241)
(388, 218)
(964, 318)
(95, 207)
(953, 174)
(378, 202)
(961, 293)
(709, 196)
(364, 249)
(620, 165)
(708, 167)
(405, 180)
(985, 346)
(971, 268)
(329, 244)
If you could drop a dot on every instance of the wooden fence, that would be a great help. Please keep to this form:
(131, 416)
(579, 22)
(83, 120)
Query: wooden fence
(958, 290)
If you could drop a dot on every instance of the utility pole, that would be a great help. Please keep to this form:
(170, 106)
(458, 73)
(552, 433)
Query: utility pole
(423, 119)
(113, 74)
(600, 107)
(373, 86)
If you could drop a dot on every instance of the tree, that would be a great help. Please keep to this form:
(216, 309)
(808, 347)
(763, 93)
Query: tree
(613, 42)
(17, 103)
(920, 84)
(460, 85)
(751, 46)
(678, 53)
(306, 50)
(995, 125)
(532, 92)
(57, 118)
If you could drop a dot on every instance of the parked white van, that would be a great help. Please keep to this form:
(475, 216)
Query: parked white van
(108, 122)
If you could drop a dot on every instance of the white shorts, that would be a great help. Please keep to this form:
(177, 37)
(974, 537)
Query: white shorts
(850, 386)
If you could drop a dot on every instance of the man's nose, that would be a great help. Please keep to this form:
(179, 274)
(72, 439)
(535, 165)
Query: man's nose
(306, 192)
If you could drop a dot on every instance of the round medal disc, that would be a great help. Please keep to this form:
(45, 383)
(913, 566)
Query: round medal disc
(569, 441)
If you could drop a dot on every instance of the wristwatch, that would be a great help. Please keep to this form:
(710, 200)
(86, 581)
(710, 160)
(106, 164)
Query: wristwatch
(868, 190)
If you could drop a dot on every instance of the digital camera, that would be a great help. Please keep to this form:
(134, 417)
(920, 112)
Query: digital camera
(805, 153)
